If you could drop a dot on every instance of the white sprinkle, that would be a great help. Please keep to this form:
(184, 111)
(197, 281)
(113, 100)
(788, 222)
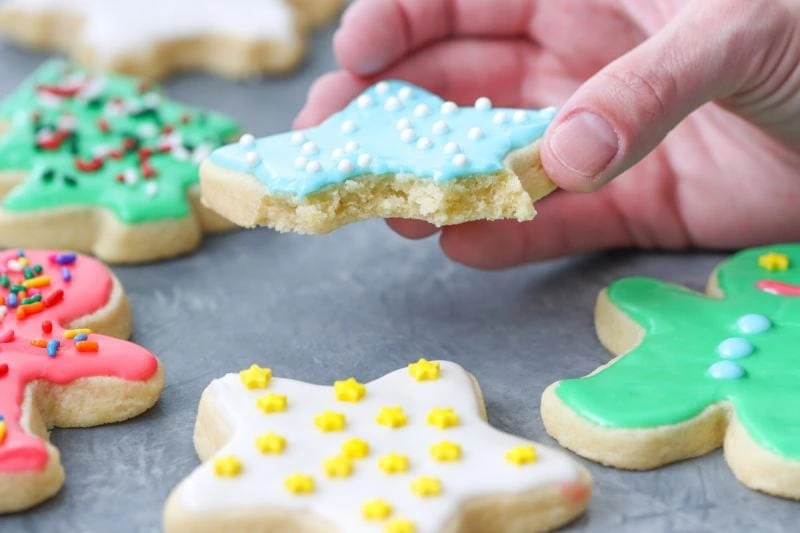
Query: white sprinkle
(392, 104)
(312, 167)
(14, 265)
(351, 146)
(365, 101)
(422, 110)
(403, 124)
(520, 116)
(251, 159)
(448, 108)
(310, 148)
(180, 153)
(382, 88)
(440, 127)
(460, 160)
(475, 134)
(407, 135)
(501, 117)
(247, 140)
(130, 176)
(298, 137)
(201, 153)
(451, 148)
(152, 100)
(3, 311)
(69, 122)
(424, 143)
(345, 165)
(349, 126)
(483, 104)
(151, 189)
(364, 160)
(337, 153)
(404, 93)
(148, 130)
(300, 162)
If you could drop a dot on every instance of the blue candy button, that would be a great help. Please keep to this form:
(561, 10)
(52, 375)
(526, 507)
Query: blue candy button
(735, 348)
(725, 370)
(753, 323)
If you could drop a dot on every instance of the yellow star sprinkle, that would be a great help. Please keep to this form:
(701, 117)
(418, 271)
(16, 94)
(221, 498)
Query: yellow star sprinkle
(400, 525)
(270, 443)
(392, 417)
(349, 390)
(2, 431)
(773, 261)
(272, 403)
(299, 484)
(445, 451)
(330, 421)
(443, 418)
(227, 466)
(256, 377)
(393, 463)
(424, 370)
(426, 486)
(376, 509)
(339, 466)
(355, 449)
(521, 455)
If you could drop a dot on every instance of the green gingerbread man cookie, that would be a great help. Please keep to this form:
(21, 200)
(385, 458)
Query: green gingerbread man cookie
(104, 164)
(695, 372)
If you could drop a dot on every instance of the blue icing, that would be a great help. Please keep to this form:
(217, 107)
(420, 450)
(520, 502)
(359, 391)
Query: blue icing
(392, 128)
(754, 324)
(726, 370)
(735, 348)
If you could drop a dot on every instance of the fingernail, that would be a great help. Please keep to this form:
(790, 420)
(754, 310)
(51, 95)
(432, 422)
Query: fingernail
(586, 143)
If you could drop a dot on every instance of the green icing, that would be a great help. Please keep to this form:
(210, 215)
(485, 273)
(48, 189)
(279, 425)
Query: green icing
(665, 380)
(129, 112)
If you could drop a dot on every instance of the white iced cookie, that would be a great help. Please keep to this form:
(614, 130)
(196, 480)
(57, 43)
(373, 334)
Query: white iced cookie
(408, 453)
(234, 38)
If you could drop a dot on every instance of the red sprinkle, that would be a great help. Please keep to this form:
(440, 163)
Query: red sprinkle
(186, 118)
(7, 335)
(104, 126)
(144, 153)
(53, 298)
(55, 142)
(148, 171)
(167, 129)
(47, 327)
(88, 166)
(115, 154)
(3, 370)
(56, 90)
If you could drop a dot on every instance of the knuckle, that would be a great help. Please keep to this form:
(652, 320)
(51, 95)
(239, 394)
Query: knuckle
(651, 91)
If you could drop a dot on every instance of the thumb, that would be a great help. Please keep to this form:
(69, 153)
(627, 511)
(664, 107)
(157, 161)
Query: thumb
(625, 110)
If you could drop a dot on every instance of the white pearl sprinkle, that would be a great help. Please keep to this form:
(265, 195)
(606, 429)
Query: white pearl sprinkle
(312, 167)
(351, 146)
(345, 165)
(365, 101)
(337, 153)
(448, 108)
(475, 134)
(151, 189)
(407, 135)
(403, 124)
(247, 140)
(148, 130)
(451, 148)
(310, 148)
(424, 143)
(501, 117)
(349, 126)
(3, 311)
(298, 138)
(422, 110)
(440, 127)
(300, 162)
(14, 265)
(152, 100)
(392, 104)
(404, 93)
(364, 160)
(251, 159)
(382, 88)
(520, 116)
(483, 104)
(130, 176)
(460, 160)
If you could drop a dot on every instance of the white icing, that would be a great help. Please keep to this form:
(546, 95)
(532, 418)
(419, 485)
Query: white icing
(482, 469)
(112, 28)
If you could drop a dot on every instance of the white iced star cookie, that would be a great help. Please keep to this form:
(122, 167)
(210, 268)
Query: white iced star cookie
(395, 151)
(152, 38)
(408, 453)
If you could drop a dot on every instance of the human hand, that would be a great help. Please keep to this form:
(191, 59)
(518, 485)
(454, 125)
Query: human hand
(626, 73)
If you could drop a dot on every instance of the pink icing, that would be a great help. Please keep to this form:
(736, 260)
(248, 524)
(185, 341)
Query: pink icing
(88, 291)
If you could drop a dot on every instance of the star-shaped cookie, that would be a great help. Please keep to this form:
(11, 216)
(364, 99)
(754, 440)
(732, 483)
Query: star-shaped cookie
(409, 452)
(152, 38)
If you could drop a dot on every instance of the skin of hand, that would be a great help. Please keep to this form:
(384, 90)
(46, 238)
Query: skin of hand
(692, 108)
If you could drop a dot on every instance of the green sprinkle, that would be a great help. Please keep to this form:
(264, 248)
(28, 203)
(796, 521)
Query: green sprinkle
(32, 299)
(28, 272)
(4, 281)
(17, 288)
(38, 269)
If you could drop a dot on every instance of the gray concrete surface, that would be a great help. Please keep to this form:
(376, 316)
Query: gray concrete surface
(364, 302)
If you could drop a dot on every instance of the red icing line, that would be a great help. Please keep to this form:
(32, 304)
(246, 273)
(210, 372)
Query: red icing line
(92, 165)
(778, 288)
(60, 90)
(89, 290)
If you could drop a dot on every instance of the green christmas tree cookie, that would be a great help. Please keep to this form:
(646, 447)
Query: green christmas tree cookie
(695, 372)
(104, 164)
